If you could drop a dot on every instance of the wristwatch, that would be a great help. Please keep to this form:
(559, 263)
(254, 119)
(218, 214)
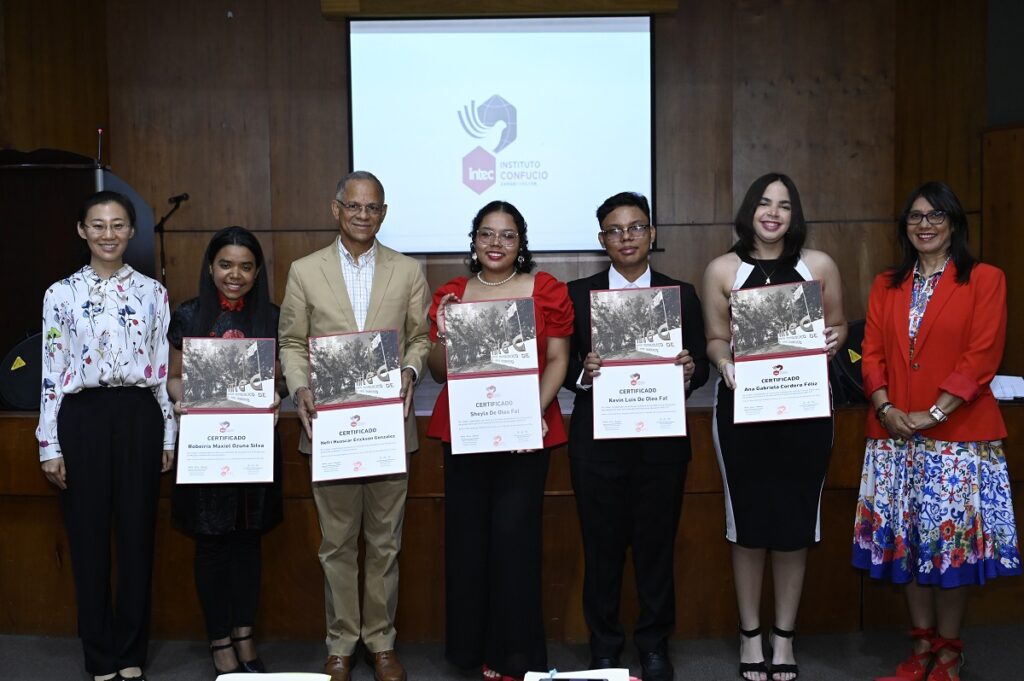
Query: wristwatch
(937, 413)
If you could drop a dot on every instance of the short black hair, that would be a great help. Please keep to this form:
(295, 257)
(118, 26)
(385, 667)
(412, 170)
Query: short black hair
(623, 199)
(941, 197)
(517, 217)
(792, 242)
(100, 198)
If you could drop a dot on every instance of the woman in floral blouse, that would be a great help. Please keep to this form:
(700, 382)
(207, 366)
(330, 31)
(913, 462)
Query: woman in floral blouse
(106, 431)
(934, 511)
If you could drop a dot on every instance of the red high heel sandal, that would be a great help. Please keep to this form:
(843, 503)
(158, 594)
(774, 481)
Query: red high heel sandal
(948, 670)
(915, 667)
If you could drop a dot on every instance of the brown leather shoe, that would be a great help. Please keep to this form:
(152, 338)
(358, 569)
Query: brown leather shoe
(339, 667)
(386, 666)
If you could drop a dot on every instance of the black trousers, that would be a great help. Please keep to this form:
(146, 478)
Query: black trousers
(111, 439)
(227, 568)
(493, 511)
(628, 503)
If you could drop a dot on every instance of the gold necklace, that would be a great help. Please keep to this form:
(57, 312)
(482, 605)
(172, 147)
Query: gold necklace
(767, 277)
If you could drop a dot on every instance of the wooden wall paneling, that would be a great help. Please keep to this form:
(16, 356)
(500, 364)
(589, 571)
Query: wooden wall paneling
(290, 246)
(338, 10)
(421, 568)
(814, 101)
(687, 250)
(860, 250)
(563, 570)
(693, 98)
(307, 83)
(1003, 206)
(189, 108)
(940, 97)
(53, 75)
(37, 593)
(705, 597)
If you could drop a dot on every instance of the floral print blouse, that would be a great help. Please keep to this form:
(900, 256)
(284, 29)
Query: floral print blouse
(100, 333)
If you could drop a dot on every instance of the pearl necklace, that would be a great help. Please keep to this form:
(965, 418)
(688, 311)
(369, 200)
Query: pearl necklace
(496, 283)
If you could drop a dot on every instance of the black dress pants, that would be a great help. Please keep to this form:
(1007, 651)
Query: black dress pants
(493, 537)
(628, 503)
(227, 568)
(111, 440)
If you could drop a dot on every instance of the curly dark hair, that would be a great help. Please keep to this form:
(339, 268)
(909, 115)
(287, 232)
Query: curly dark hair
(527, 264)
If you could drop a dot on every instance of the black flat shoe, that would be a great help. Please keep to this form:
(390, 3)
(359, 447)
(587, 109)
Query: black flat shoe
(253, 666)
(779, 669)
(656, 667)
(756, 668)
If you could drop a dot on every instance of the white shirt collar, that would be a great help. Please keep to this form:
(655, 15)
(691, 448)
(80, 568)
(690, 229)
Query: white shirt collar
(367, 257)
(616, 280)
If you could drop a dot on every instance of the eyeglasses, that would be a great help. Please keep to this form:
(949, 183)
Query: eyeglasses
(117, 228)
(487, 236)
(934, 217)
(616, 233)
(357, 208)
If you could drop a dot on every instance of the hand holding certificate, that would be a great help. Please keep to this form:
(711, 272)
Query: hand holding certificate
(780, 349)
(227, 425)
(640, 391)
(493, 380)
(356, 381)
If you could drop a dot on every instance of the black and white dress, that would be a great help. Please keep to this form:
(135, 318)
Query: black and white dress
(772, 473)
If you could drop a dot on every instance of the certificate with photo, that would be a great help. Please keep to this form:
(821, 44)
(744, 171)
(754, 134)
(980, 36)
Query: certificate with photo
(226, 432)
(356, 381)
(640, 391)
(493, 378)
(779, 347)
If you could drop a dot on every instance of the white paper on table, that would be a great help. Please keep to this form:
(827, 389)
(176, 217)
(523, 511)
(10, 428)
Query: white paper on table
(225, 448)
(639, 400)
(358, 441)
(604, 674)
(1007, 387)
(497, 413)
(782, 388)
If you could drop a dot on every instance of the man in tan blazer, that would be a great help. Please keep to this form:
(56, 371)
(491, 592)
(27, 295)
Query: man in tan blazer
(357, 284)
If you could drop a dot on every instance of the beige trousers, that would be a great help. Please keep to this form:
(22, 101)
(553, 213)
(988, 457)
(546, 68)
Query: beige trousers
(377, 508)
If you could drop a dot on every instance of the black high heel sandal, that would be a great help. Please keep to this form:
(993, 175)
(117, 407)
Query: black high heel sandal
(253, 666)
(784, 668)
(752, 667)
(216, 671)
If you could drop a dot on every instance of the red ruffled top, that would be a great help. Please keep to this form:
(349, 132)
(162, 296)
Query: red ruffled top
(554, 318)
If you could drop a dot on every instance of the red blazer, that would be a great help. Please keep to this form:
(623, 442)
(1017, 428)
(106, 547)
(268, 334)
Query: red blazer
(959, 347)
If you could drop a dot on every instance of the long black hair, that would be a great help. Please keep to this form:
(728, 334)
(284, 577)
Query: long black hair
(524, 251)
(256, 315)
(792, 241)
(941, 197)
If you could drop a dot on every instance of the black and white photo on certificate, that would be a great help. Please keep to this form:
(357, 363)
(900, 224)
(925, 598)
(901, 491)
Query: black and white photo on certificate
(492, 335)
(778, 319)
(227, 373)
(640, 323)
(355, 367)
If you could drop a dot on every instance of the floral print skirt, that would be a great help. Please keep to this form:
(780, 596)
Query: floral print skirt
(937, 511)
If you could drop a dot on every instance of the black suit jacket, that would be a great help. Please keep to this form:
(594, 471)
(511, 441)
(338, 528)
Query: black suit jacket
(581, 429)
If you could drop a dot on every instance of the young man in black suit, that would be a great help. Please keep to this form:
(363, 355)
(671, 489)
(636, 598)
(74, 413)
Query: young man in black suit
(629, 493)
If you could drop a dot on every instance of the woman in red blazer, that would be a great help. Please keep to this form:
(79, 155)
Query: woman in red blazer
(934, 510)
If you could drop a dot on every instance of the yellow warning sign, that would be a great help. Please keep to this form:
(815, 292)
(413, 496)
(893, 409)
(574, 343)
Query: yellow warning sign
(854, 357)
(18, 363)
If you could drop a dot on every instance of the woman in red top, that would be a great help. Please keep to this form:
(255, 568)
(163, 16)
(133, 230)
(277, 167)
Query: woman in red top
(935, 511)
(494, 501)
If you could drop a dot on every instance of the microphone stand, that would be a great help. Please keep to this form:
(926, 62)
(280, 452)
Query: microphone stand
(159, 229)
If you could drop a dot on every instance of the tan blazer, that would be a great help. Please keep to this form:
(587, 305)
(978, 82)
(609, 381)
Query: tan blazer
(316, 303)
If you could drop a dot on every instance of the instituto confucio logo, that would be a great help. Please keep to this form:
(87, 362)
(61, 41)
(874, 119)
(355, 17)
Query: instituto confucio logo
(776, 370)
(491, 391)
(634, 379)
(641, 426)
(224, 471)
(497, 440)
(224, 426)
(481, 170)
(354, 422)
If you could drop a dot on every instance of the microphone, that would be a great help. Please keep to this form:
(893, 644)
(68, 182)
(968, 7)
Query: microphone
(178, 198)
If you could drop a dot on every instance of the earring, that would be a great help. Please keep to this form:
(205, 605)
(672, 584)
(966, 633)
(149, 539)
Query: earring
(473, 256)
(520, 260)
